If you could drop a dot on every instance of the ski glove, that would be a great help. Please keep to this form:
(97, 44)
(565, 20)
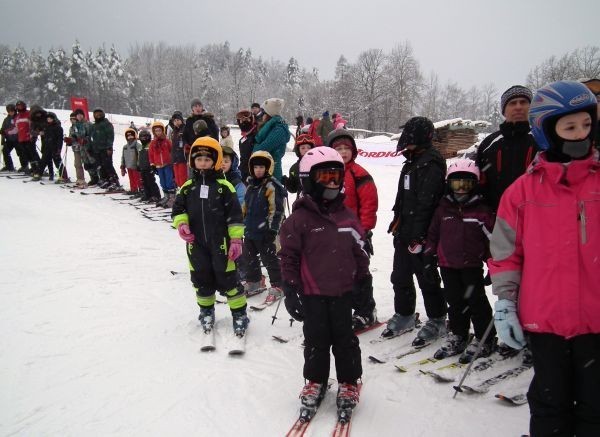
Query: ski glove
(369, 243)
(430, 271)
(235, 249)
(507, 324)
(415, 247)
(185, 233)
(292, 301)
(123, 171)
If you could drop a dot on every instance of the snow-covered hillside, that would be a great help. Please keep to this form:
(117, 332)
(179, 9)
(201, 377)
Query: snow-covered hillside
(100, 339)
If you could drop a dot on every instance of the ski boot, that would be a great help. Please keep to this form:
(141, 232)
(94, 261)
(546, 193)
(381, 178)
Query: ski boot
(275, 293)
(360, 322)
(347, 398)
(36, 177)
(454, 345)
(398, 324)
(311, 396)
(207, 318)
(486, 350)
(240, 322)
(254, 288)
(434, 328)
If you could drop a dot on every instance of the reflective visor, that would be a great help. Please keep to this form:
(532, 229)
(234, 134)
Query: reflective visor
(462, 184)
(324, 176)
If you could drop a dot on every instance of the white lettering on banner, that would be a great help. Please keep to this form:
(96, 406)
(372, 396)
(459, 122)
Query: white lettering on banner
(378, 153)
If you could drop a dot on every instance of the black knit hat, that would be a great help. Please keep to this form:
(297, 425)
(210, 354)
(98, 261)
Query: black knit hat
(418, 131)
(512, 93)
(79, 111)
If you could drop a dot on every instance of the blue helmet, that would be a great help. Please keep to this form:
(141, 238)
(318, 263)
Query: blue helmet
(555, 100)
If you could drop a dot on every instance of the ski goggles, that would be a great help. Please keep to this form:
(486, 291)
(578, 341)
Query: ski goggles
(462, 184)
(325, 176)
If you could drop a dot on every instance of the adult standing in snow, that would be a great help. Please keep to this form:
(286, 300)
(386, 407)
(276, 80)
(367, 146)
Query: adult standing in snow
(325, 127)
(24, 138)
(258, 112)
(82, 151)
(102, 136)
(199, 113)
(504, 155)
(299, 125)
(420, 188)
(248, 128)
(544, 266)
(274, 134)
(9, 138)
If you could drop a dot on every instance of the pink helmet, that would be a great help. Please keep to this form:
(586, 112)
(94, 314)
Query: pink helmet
(463, 165)
(318, 157)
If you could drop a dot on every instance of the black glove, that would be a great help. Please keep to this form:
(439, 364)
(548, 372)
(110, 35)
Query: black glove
(270, 236)
(394, 225)
(488, 279)
(369, 243)
(284, 180)
(430, 270)
(292, 302)
(153, 169)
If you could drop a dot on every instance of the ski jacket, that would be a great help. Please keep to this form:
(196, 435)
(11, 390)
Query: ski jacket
(420, 189)
(502, 157)
(80, 132)
(325, 127)
(189, 136)
(143, 159)
(53, 136)
(314, 127)
(263, 207)
(246, 146)
(129, 157)
(209, 205)
(23, 126)
(226, 142)
(361, 194)
(9, 130)
(273, 137)
(178, 150)
(459, 233)
(546, 245)
(322, 249)
(159, 152)
(235, 178)
(102, 135)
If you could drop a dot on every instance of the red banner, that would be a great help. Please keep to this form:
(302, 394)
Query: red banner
(80, 103)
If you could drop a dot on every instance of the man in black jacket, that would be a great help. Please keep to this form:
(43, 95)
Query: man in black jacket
(420, 188)
(198, 113)
(505, 155)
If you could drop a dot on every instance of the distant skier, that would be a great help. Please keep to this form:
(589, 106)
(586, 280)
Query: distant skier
(322, 260)
(208, 217)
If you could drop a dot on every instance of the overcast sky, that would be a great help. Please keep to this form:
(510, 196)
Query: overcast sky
(467, 41)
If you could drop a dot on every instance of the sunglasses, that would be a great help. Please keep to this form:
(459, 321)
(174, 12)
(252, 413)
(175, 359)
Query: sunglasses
(325, 176)
(462, 184)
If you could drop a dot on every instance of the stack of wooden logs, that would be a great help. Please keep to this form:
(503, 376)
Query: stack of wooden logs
(450, 139)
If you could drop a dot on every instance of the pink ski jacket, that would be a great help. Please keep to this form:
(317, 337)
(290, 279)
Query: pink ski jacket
(545, 247)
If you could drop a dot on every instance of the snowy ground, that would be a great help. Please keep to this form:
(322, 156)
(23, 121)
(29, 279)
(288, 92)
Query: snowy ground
(100, 339)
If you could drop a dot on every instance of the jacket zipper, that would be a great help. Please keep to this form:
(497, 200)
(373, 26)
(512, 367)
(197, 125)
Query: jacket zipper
(202, 206)
(582, 223)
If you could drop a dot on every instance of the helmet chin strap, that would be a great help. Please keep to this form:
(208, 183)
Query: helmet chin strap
(330, 193)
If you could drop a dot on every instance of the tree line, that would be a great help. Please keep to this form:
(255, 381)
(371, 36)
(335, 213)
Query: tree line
(378, 92)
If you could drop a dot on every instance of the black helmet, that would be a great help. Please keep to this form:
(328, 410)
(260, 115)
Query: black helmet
(145, 135)
(418, 131)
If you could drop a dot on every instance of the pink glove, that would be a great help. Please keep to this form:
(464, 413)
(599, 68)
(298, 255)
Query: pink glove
(235, 249)
(185, 233)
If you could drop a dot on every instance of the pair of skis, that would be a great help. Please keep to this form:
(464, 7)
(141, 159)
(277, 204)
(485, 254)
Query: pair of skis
(236, 346)
(342, 424)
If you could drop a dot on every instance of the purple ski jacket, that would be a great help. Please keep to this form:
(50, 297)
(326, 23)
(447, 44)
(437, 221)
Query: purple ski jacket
(322, 250)
(459, 233)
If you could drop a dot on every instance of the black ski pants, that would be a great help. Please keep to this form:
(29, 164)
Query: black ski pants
(149, 183)
(405, 296)
(104, 163)
(328, 324)
(467, 302)
(363, 302)
(7, 148)
(264, 250)
(51, 153)
(564, 393)
(31, 154)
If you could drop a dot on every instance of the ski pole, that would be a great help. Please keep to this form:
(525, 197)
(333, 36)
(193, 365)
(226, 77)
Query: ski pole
(458, 388)
(274, 316)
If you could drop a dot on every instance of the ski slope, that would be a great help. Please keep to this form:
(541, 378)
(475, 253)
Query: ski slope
(100, 339)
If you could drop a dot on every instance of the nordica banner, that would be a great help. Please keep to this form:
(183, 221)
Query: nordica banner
(378, 151)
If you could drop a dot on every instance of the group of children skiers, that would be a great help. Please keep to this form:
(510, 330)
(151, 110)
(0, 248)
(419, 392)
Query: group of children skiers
(541, 246)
